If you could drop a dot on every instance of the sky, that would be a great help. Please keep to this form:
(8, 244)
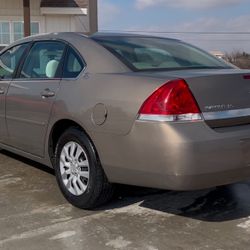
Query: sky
(207, 16)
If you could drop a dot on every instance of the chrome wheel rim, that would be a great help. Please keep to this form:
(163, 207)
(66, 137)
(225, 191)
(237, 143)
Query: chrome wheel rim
(74, 168)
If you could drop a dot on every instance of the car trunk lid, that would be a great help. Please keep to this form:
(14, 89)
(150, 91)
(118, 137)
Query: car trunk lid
(223, 95)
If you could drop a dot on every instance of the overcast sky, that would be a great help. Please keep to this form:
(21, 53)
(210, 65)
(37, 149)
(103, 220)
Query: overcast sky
(182, 16)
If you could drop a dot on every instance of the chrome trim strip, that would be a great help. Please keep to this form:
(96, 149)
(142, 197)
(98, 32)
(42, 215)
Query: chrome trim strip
(170, 118)
(228, 114)
(208, 116)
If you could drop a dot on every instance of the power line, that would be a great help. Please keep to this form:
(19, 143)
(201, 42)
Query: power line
(219, 40)
(182, 32)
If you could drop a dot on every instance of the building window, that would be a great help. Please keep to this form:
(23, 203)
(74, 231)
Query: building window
(18, 29)
(4, 33)
(12, 31)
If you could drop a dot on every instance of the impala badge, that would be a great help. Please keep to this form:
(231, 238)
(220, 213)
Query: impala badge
(219, 107)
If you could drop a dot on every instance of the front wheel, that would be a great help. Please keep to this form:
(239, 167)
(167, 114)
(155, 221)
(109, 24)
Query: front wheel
(78, 171)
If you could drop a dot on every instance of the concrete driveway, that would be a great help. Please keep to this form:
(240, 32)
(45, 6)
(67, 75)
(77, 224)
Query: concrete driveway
(34, 215)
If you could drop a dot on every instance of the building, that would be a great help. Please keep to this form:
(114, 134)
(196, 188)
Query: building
(46, 16)
(218, 54)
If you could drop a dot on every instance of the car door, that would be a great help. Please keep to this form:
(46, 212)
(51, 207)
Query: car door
(31, 95)
(9, 61)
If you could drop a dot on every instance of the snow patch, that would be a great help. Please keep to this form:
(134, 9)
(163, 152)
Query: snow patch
(63, 235)
(118, 243)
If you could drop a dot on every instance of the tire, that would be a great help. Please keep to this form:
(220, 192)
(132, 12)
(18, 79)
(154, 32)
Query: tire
(80, 178)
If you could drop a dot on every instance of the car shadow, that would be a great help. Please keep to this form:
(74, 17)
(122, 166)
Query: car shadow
(223, 203)
(218, 204)
(28, 162)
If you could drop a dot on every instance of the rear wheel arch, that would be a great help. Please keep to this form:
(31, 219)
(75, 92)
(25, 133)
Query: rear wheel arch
(57, 130)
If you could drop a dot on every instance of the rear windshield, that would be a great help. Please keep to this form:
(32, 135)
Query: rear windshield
(149, 53)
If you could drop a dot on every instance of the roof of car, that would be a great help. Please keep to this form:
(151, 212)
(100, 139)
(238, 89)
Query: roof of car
(68, 35)
(117, 35)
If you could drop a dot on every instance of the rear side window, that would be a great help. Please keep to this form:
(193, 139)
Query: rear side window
(73, 64)
(44, 60)
(9, 61)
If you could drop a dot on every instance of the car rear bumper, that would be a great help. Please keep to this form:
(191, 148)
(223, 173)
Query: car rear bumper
(176, 156)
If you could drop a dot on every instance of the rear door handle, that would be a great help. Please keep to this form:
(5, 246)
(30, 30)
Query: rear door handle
(2, 91)
(47, 93)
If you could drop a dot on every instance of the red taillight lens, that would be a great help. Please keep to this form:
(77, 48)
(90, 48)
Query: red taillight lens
(172, 99)
(246, 77)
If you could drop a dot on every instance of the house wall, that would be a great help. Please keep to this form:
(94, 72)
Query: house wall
(60, 23)
(15, 8)
(12, 10)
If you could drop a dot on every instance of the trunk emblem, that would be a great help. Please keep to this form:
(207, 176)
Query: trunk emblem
(219, 107)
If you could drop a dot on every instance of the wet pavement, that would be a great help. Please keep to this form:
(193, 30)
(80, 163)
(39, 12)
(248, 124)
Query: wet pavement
(34, 215)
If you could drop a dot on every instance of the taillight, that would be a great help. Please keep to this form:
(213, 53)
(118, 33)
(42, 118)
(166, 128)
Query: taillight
(246, 77)
(172, 102)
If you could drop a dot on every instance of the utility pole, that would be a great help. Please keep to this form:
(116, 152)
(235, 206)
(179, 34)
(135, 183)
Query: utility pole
(26, 17)
(93, 16)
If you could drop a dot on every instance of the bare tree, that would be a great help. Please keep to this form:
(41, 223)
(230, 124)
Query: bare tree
(238, 58)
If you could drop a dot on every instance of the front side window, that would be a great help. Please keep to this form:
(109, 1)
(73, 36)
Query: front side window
(43, 60)
(73, 64)
(9, 61)
(4, 33)
(150, 53)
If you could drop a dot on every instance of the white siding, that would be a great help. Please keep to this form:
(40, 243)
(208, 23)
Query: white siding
(57, 23)
(80, 23)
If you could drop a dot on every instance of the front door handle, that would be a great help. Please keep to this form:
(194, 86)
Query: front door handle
(2, 91)
(47, 93)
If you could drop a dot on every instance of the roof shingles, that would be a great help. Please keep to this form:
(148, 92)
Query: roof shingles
(64, 3)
